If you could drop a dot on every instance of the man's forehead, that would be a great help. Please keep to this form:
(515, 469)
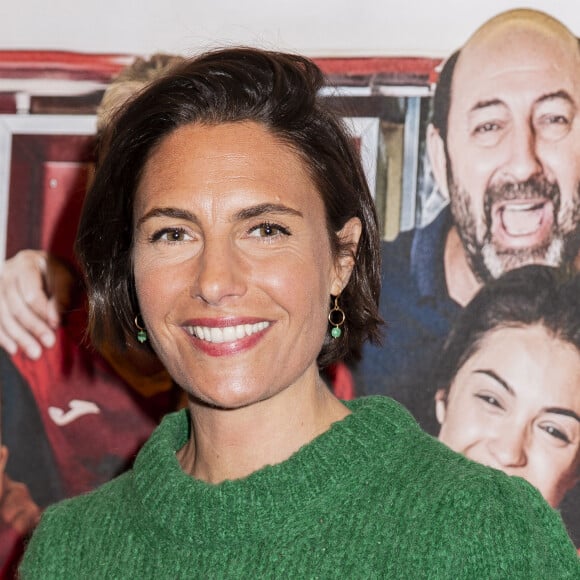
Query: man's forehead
(523, 37)
(524, 55)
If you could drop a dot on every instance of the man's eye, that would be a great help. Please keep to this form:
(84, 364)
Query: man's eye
(557, 119)
(268, 230)
(486, 128)
(170, 235)
(553, 126)
(488, 133)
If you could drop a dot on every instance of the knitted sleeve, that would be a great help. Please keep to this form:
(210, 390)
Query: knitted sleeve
(509, 531)
(46, 553)
(63, 544)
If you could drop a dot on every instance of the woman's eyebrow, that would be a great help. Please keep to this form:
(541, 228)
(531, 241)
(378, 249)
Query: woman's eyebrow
(497, 378)
(505, 385)
(171, 212)
(563, 411)
(243, 214)
(264, 208)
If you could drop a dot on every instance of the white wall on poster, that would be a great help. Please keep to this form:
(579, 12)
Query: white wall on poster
(316, 28)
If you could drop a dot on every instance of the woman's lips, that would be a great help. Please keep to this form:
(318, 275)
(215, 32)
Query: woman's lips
(218, 334)
(522, 223)
(220, 338)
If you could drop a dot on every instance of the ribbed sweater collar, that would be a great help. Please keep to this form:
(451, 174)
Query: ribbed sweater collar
(259, 505)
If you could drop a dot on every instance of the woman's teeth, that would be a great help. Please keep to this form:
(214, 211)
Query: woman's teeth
(226, 333)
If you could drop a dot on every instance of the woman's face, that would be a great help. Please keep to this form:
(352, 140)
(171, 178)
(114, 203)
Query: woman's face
(515, 405)
(232, 263)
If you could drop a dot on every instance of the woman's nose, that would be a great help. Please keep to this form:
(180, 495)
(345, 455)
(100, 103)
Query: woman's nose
(508, 447)
(219, 272)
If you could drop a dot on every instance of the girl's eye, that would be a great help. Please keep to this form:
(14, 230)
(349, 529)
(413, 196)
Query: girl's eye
(171, 235)
(556, 433)
(490, 400)
(268, 230)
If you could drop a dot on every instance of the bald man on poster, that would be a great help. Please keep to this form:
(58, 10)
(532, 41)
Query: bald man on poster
(504, 146)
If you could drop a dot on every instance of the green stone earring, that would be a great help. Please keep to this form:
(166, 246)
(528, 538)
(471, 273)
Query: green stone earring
(336, 317)
(142, 333)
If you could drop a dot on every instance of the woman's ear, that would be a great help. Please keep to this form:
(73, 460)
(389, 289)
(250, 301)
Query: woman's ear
(441, 405)
(437, 159)
(349, 237)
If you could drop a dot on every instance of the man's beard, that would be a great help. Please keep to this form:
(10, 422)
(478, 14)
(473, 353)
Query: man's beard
(486, 260)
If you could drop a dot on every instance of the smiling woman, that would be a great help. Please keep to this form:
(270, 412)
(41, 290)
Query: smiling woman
(509, 377)
(231, 229)
(205, 206)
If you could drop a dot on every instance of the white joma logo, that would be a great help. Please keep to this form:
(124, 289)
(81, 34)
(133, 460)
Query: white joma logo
(77, 409)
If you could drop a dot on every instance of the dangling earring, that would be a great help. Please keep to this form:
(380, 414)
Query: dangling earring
(142, 334)
(336, 317)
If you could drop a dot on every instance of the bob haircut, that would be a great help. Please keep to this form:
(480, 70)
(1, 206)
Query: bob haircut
(526, 296)
(278, 91)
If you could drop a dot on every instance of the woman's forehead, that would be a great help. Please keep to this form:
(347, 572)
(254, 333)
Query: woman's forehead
(211, 163)
(531, 360)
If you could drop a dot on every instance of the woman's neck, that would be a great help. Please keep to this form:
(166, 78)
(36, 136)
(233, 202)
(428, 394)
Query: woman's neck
(233, 443)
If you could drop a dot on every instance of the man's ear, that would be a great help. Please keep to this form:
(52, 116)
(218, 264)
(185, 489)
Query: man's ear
(437, 159)
(441, 405)
(349, 237)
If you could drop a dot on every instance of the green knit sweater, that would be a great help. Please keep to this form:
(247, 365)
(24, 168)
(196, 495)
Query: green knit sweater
(373, 497)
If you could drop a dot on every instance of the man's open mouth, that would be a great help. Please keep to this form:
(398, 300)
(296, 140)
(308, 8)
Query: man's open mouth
(522, 223)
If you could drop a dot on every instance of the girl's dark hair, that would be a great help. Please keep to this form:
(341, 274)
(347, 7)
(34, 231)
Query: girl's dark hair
(531, 295)
(279, 91)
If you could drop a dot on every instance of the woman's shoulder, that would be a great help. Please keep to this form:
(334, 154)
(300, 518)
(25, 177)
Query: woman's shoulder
(420, 459)
(69, 527)
(508, 520)
(458, 508)
(382, 411)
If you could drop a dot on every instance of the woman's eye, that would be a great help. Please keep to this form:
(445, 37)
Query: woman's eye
(268, 230)
(170, 235)
(490, 400)
(556, 433)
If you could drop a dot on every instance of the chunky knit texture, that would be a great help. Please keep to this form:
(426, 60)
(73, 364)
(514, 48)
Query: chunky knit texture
(373, 497)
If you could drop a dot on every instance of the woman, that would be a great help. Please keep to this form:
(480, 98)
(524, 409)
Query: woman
(510, 376)
(230, 228)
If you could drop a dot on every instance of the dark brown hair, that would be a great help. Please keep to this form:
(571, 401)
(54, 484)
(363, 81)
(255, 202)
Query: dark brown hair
(276, 90)
(442, 97)
(527, 296)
